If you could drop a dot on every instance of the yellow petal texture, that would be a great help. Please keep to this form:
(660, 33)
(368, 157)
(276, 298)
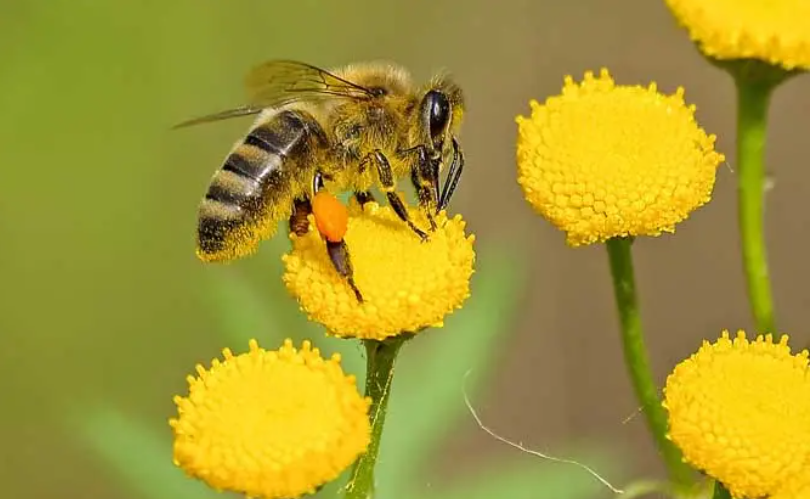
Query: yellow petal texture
(797, 488)
(740, 411)
(602, 160)
(406, 284)
(270, 424)
(774, 31)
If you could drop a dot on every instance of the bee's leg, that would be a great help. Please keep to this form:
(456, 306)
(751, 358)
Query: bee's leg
(299, 223)
(388, 186)
(364, 197)
(338, 251)
(453, 176)
(425, 195)
(339, 254)
(425, 179)
(302, 207)
(318, 181)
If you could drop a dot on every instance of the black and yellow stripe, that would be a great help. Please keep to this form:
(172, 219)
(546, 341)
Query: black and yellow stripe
(240, 206)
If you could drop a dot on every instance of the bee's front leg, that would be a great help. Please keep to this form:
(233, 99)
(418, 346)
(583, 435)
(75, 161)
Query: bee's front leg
(453, 176)
(425, 179)
(388, 187)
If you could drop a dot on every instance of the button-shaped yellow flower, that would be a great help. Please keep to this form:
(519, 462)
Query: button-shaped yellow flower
(774, 31)
(740, 411)
(270, 424)
(603, 161)
(406, 284)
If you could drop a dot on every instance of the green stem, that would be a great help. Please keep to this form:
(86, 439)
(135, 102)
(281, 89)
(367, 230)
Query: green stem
(753, 97)
(635, 357)
(720, 492)
(380, 358)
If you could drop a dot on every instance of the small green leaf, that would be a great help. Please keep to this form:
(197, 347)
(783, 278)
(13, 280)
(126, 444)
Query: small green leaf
(140, 455)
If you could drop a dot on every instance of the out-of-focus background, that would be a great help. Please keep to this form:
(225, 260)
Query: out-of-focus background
(104, 309)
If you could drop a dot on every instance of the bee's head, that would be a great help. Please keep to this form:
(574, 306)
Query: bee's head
(441, 111)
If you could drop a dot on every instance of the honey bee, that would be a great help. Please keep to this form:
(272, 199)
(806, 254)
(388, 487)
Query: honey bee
(345, 130)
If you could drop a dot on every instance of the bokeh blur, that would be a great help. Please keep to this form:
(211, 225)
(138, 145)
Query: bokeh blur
(104, 308)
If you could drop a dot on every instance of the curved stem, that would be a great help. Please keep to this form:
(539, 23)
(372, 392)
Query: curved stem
(635, 357)
(753, 98)
(380, 358)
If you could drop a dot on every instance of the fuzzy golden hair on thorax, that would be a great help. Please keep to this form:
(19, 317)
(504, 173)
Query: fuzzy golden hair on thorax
(393, 78)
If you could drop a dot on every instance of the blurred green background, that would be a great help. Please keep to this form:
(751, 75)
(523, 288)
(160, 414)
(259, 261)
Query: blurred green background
(104, 309)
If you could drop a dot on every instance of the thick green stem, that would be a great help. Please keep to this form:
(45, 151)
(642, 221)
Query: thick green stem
(753, 98)
(380, 358)
(635, 357)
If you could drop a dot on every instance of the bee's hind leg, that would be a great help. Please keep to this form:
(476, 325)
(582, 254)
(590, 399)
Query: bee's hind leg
(302, 207)
(388, 186)
(338, 250)
(339, 254)
(298, 222)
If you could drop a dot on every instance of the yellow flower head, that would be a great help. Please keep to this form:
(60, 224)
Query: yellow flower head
(603, 161)
(406, 284)
(740, 410)
(774, 31)
(270, 424)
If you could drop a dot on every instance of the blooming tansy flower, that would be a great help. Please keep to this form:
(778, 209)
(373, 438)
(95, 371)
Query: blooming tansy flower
(406, 284)
(603, 161)
(740, 410)
(270, 424)
(775, 31)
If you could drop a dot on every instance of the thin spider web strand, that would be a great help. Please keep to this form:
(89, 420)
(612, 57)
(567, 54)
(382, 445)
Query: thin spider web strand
(535, 453)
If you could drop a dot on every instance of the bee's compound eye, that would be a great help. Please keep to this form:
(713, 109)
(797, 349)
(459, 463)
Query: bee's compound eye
(331, 217)
(438, 108)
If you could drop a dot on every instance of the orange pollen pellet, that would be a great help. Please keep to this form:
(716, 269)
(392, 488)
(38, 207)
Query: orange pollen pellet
(331, 216)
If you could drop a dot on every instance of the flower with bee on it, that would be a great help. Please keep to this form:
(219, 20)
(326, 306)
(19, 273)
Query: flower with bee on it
(407, 284)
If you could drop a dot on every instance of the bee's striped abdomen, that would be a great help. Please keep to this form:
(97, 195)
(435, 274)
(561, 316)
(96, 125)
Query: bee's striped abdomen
(241, 206)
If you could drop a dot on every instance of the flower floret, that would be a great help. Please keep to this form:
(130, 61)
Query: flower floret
(270, 424)
(740, 411)
(796, 488)
(601, 160)
(406, 284)
(776, 31)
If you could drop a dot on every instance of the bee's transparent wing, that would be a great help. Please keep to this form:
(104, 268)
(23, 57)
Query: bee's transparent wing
(276, 83)
(222, 115)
